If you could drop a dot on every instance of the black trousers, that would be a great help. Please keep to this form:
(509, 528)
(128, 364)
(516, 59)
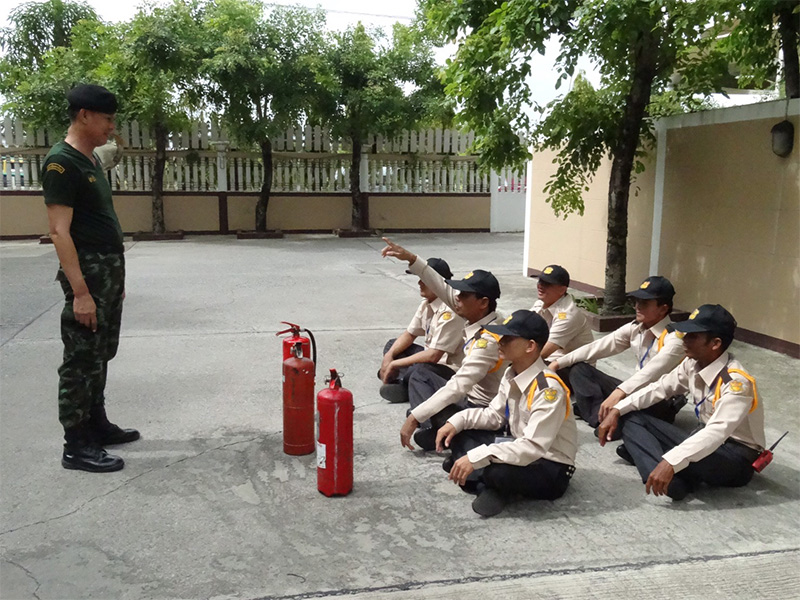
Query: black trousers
(541, 480)
(410, 351)
(590, 387)
(648, 438)
(424, 380)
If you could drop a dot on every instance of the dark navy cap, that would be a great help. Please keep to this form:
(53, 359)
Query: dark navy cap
(654, 287)
(92, 97)
(479, 282)
(555, 274)
(525, 324)
(712, 318)
(440, 266)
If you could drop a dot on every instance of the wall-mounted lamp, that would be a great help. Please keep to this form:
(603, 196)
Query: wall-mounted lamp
(783, 138)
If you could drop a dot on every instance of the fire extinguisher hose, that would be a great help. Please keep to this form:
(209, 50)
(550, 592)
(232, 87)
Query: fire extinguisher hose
(313, 346)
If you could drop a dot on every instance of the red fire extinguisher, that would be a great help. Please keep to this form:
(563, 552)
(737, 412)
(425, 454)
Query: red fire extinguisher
(309, 345)
(335, 444)
(298, 403)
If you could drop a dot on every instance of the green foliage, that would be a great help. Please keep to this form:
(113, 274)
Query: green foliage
(588, 303)
(261, 68)
(38, 27)
(754, 40)
(153, 69)
(370, 85)
(489, 76)
(38, 96)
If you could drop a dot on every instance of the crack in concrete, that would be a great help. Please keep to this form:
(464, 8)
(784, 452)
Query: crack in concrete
(627, 566)
(126, 482)
(29, 574)
(31, 322)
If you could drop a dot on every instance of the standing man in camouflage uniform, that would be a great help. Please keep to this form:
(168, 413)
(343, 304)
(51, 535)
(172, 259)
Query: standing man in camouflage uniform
(88, 240)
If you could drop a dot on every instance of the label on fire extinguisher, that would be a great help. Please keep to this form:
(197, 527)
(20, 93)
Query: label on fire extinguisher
(321, 456)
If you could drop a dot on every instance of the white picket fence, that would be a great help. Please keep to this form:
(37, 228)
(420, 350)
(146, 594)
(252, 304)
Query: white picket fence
(305, 159)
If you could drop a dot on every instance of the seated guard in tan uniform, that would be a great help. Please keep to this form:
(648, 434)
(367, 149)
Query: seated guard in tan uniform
(730, 434)
(658, 351)
(476, 382)
(524, 442)
(404, 362)
(569, 328)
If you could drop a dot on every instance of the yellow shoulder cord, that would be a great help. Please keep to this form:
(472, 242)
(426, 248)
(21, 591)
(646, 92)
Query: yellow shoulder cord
(661, 339)
(543, 380)
(499, 362)
(726, 378)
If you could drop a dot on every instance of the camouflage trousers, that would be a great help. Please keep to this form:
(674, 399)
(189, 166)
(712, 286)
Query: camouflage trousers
(82, 375)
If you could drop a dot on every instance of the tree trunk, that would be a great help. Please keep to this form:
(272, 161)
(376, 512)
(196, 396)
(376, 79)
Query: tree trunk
(359, 218)
(158, 178)
(266, 187)
(789, 28)
(624, 154)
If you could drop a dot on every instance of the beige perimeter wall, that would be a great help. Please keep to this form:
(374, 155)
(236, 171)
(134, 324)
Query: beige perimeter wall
(731, 223)
(578, 243)
(730, 229)
(24, 214)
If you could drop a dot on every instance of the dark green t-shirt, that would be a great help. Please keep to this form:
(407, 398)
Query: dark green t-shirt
(71, 179)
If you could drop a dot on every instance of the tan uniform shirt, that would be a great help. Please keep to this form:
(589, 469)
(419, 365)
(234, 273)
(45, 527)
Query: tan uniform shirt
(569, 328)
(540, 420)
(442, 328)
(657, 352)
(478, 377)
(728, 405)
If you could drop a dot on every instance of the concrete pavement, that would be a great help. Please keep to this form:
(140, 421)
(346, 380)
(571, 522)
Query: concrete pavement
(208, 506)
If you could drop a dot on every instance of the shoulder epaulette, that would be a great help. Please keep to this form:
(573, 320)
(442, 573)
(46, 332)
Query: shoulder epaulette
(541, 383)
(724, 377)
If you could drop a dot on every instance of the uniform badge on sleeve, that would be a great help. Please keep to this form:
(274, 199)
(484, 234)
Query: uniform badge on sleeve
(736, 387)
(561, 316)
(481, 344)
(56, 167)
(446, 316)
(550, 394)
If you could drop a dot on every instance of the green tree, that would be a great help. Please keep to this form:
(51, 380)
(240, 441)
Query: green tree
(762, 28)
(38, 27)
(39, 66)
(371, 87)
(654, 56)
(260, 74)
(154, 70)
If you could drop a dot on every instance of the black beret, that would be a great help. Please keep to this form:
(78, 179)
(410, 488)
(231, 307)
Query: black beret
(92, 97)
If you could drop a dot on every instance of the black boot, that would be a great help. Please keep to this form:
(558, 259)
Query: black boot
(83, 455)
(105, 433)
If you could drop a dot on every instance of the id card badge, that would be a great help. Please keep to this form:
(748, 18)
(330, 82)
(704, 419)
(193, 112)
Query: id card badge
(502, 439)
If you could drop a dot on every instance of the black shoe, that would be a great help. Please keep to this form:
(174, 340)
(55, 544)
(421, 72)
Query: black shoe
(90, 458)
(395, 393)
(623, 453)
(489, 503)
(678, 489)
(426, 439)
(447, 464)
(114, 434)
(103, 432)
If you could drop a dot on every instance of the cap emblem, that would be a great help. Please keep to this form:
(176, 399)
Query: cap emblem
(694, 314)
(548, 270)
(468, 275)
(645, 285)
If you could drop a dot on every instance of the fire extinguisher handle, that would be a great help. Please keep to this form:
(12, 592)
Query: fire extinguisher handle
(335, 379)
(295, 329)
